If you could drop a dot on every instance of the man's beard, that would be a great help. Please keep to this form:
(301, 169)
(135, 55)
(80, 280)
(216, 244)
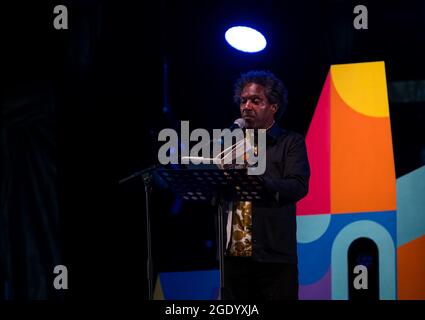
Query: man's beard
(249, 120)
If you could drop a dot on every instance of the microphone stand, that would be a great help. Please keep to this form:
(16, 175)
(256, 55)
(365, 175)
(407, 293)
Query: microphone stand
(146, 174)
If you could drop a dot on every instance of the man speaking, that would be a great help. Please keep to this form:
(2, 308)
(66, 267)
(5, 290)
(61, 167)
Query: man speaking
(261, 249)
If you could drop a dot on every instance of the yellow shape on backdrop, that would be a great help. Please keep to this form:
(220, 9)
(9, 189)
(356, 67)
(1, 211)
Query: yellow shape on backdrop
(363, 88)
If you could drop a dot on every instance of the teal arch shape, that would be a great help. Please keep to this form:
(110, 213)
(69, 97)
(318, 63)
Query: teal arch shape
(312, 227)
(387, 258)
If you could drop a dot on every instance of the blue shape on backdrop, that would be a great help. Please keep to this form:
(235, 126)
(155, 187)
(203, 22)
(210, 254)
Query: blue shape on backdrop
(314, 258)
(410, 206)
(190, 285)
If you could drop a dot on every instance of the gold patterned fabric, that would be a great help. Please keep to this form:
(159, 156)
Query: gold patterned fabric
(241, 235)
(241, 242)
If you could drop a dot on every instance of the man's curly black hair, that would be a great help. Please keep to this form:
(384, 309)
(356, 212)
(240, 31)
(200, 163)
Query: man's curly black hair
(275, 89)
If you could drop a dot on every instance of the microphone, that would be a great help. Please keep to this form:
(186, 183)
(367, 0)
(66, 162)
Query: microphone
(239, 123)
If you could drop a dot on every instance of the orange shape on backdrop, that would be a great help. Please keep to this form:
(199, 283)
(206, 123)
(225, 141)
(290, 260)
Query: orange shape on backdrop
(362, 166)
(410, 269)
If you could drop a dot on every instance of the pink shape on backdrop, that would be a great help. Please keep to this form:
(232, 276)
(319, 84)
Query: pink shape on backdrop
(318, 143)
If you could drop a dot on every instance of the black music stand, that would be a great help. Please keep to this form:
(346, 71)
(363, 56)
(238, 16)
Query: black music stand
(219, 186)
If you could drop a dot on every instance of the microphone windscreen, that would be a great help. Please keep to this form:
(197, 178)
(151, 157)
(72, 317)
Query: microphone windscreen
(240, 122)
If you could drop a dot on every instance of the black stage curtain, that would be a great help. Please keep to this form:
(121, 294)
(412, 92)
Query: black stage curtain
(29, 215)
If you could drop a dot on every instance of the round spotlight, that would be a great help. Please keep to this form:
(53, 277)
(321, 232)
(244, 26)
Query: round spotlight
(245, 39)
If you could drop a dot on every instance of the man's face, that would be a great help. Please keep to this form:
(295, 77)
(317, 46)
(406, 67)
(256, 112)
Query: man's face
(257, 112)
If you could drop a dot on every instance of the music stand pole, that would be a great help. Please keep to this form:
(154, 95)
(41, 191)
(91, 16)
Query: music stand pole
(221, 243)
(147, 181)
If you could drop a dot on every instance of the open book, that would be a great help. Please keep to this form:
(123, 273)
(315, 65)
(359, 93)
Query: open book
(231, 157)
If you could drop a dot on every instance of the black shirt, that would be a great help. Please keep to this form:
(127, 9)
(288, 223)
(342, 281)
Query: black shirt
(286, 179)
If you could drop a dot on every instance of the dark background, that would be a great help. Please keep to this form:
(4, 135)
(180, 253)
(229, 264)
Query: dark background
(81, 108)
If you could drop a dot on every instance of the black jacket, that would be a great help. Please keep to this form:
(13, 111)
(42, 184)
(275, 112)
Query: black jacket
(286, 179)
